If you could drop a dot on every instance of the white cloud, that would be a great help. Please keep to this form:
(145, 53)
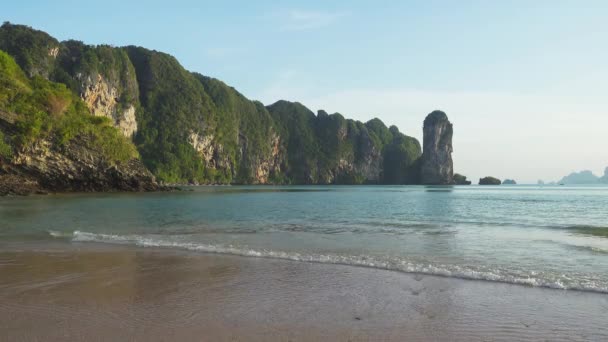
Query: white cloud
(299, 20)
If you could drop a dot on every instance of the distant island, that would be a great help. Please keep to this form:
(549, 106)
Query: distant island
(489, 181)
(509, 182)
(77, 117)
(585, 177)
(461, 180)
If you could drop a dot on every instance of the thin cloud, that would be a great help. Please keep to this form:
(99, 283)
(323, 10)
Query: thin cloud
(301, 20)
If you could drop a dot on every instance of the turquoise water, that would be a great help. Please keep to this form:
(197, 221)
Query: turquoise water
(551, 237)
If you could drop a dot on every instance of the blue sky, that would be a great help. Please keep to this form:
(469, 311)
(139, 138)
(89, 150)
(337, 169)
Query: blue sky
(524, 82)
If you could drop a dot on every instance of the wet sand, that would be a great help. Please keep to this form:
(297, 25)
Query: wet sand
(88, 292)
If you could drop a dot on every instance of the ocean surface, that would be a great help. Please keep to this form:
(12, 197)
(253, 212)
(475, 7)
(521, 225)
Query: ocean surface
(555, 237)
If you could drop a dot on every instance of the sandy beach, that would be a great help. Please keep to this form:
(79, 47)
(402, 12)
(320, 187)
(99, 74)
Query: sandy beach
(90, 292)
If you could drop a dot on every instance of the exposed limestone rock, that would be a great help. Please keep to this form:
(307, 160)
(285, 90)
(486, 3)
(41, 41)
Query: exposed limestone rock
(102, 100)
(260, 167)
(437, 166)
(370, 163)
(203, 144)
(211, 152)
(127, 123)
(269, 165)
(44, 166)
(100, 97)
(19, 185)
(53, 52)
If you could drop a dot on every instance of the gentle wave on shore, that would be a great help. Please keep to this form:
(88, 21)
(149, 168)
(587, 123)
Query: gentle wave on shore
(532, 278)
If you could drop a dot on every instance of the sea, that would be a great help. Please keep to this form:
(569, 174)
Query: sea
(550, 236)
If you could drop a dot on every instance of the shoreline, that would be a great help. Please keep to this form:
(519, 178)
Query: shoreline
(16, 185)
(120, 292)
(25, 187)
(324, 261)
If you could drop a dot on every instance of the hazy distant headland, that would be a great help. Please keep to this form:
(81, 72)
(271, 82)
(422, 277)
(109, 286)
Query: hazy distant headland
(585, 177)
(77, 117)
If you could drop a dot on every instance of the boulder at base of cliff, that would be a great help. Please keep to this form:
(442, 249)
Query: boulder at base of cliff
(489, 181)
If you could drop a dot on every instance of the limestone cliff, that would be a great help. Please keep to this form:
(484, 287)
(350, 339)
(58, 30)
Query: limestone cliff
(437, 166)
(49, 141)
(189, 128)
(260, 168)
(329, 149)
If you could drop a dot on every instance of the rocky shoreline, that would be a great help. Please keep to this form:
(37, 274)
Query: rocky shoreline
(44, 167)
(20, 185)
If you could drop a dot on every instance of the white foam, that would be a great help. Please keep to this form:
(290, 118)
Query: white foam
(57, 234)
(394, 264)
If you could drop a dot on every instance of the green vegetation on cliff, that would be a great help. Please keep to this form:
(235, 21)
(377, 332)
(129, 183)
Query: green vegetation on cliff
(6, 150)
(245, 133)
(189, 127)
(174, 105)
(401, 159)
(46, 110)
(329, 149)
(31, 49)
(79, 65)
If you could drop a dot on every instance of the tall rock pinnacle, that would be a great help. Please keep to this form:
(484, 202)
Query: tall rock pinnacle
(437, 167)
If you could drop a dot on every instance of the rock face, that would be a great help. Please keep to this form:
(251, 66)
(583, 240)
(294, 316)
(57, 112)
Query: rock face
(44, 166)
(437, 167)
(102, 99)
(260, 168)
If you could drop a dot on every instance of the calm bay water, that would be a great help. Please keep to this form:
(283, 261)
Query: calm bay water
(551, 236)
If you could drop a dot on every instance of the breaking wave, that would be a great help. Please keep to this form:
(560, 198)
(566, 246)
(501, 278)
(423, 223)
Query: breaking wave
(534, 279)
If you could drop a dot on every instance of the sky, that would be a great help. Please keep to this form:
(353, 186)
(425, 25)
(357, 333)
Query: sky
(525, 83)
